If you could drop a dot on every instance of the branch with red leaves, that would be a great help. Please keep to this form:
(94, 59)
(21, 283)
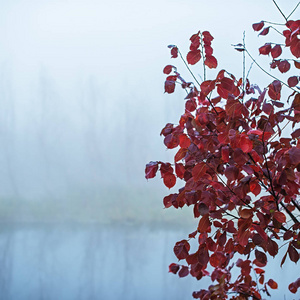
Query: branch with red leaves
(239, 171)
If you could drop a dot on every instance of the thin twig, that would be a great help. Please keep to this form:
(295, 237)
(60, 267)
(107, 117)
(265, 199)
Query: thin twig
(293, 10)
(268, 72)
(280, 10)
(188, 67)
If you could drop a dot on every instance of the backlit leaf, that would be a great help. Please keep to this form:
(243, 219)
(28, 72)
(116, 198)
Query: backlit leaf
(258, 26)
(273, 284)
(211, 61)
(193, 57)
(151, 169)
(284, 66)
(276, 51)
(169, 180)
(293, 81)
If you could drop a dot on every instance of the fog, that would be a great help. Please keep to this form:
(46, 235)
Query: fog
(81, 109)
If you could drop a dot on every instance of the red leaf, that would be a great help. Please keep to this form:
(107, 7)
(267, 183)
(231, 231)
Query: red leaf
(260, 231)
(293, 288)
(295, 47)
(273, 284)
(184, 141)
(171, 141)
(258, 26)
(204, 224)
(179, 170)
(169, 180)
(180, 154)
(193, 57)
(297, 64)
(184, 271)
(232, 173)
(245, 144)
(296, 133)
(255, 188)
(173, 268)
(169, 86)
(265, 49)
(294, 155)
(151, 169)
(274, 90)
(225, 154)
(276, 51)
(265, 31)
(211, 61)
(198, 171)
(174, 52)
(203, 209)
(293, 254)
(181, 249)
(168, 69)
(293, 81)
(279, 216)
(284, 66)
(261, 257)
(272, 247)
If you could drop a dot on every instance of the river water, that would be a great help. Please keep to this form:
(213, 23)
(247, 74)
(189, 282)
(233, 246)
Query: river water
(89, 262)
(92, 261)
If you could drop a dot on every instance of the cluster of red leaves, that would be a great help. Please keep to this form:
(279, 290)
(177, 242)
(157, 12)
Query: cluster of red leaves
(240, 174)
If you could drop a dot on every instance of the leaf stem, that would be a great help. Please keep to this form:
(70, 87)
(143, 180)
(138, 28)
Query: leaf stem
(188, 67)
(268, 72)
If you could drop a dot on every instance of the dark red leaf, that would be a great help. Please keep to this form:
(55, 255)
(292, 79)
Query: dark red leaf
(293, 253)
(174, 52)
(265, 31)
(181, 249)
(171, 141)
(193, 57)
(169, 180)
(258, 26)
(293, 81)
(295, 47)
(297, 64)
(180, 154)
(168, 69)
(179, 170)
(265, 49)
(184, 271)
(284, 66)
(173, 268)
(198, 171)
(296, 133)
(261, 257)
(293, 288)
(204, 224)
(232, 173)
(279, 216)
(294, 155)
(276, 51)
(211, 61)
(169, 86)
(151, 169)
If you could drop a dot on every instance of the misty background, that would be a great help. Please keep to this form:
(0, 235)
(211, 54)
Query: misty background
(82, 105)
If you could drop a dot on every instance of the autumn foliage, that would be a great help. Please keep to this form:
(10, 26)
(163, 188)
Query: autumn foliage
(239, 168)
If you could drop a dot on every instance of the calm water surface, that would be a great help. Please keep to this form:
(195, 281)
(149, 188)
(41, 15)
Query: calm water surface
(72, 262)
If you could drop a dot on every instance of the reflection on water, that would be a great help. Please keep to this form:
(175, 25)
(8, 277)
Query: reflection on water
(90, 261)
